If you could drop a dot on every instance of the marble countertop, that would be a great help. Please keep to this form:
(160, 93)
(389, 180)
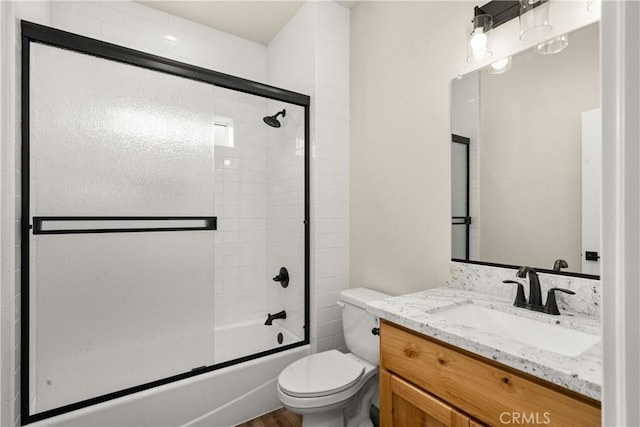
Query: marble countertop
(418, 311)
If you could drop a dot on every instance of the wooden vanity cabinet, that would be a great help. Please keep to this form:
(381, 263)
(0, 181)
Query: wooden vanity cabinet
(425, 382)
(405, 405)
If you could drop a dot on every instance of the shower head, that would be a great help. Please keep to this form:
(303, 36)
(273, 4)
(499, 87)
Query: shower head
(273, 120)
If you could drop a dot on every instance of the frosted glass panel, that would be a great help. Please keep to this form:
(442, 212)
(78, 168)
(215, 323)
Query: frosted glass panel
(119, 310)
(113, 139)
(112, 311)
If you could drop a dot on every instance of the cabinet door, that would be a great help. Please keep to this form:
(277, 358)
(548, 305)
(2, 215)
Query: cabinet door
(404, 405)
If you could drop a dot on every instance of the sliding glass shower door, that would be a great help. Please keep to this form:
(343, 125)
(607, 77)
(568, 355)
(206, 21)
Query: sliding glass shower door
(163, 205)
(117, 152)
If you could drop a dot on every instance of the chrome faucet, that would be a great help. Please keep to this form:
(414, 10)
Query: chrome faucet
(271, 317)
(535, 297)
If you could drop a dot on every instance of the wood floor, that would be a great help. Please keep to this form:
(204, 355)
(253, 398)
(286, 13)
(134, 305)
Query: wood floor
(279, 418)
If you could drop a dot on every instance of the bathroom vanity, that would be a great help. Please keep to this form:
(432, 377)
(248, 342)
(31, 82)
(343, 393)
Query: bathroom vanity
(436, 370)
(423, 378)
(463, 354)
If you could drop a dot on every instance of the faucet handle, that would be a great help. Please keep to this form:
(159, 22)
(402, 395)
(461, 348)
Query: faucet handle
(282, 277)
(520, 300)
(551, 307)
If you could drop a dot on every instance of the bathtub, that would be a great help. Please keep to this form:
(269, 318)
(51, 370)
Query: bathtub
(237, 340)
(224, 397)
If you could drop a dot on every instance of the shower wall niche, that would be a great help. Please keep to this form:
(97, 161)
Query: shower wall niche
(157, 208)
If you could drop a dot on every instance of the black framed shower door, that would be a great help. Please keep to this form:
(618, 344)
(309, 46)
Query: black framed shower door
(461, 217)
(79, 225)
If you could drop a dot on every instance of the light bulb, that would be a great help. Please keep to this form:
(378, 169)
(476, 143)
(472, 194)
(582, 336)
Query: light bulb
(479, 53)
(478, 39)
(478, 47)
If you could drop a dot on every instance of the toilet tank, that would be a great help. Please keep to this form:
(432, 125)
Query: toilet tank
(357, 323)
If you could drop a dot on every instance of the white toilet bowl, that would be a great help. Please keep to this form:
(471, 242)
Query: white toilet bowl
(321, 386)
(334, 389)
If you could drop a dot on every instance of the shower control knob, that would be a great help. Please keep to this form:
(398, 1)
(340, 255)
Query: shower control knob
(283, 277)
(375, 331)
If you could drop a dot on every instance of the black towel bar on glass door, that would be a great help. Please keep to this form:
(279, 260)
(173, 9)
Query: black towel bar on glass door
(108, 224)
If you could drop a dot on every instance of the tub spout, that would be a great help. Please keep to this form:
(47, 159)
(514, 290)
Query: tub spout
(271, 317)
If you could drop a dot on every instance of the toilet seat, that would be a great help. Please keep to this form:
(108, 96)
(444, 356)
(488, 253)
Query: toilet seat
(321, 374)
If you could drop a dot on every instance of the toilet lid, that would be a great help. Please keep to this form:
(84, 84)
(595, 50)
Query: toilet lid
(320, 374)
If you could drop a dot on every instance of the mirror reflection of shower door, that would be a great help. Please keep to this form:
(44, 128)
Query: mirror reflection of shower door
(116, 148)
(460, 217)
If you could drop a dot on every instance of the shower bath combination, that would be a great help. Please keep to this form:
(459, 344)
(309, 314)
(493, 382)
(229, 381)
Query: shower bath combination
(273, 120)
(182, 205)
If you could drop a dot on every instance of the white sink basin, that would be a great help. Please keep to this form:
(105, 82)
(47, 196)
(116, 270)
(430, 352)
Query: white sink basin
(532, 332)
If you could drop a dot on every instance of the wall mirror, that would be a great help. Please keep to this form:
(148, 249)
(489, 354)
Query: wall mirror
(526, 159)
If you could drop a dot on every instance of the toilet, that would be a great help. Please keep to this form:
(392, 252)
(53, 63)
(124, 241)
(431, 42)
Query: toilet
(335, 389)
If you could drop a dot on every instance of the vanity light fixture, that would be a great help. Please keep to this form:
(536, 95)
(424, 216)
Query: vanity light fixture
(478, 40)
(534, 24)
(554, 45)
(500, 66)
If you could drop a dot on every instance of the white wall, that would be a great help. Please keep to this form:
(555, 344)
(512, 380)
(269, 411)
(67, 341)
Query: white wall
(403, 57)
(311, 55)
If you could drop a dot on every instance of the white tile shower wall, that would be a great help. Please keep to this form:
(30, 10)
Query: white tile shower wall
(121, 22)
(331, 160)
(10, 205)
(290, 64)
(240, 201)
(311, 55)
(285, 204)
